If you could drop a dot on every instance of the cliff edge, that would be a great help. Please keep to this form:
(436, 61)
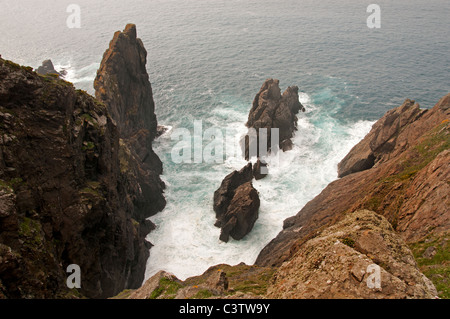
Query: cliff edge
(77, 184)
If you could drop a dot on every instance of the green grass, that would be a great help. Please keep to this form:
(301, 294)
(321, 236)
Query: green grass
(203, 294)
(437, 268)
(349, 242)
(167, 289)
(30, 232)
(93, 188)
(88, 146)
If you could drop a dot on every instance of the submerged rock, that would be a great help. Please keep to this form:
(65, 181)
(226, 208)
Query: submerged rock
(260, 170)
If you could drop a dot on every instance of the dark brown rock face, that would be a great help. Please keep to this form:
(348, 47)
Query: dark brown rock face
(69, 192)
(260, 170)
(123, 85)
(242, 213)
(236, 203)
(225, 193)
(47, 68)
(408, 183)
(270, 110)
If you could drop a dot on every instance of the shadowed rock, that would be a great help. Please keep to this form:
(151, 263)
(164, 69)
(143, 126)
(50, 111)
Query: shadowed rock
(270, 110)
(242, 213)
(47, 68)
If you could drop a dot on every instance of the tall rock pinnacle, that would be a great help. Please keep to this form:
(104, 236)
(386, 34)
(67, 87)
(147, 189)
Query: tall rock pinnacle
(122, 83)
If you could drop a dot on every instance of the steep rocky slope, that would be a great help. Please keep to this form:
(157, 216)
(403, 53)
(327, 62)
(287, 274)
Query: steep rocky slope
(339, 263)
(76, 185)
(407, 182)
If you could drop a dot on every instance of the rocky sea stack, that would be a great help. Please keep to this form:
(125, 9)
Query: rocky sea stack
(78, 177)
(271, 109)
(236, 203)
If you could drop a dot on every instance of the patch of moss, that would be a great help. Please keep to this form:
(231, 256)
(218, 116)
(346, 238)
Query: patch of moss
(167, 289)
(12, 184)
(12, 64)
(437, 267)
(124, 294)
(248, 279)
(88, 146)
(124, 157)
(430, 145)
(349, 242)
(30, 232)
(93, 188)
(87, 117)
(203, 294)
(5, 186)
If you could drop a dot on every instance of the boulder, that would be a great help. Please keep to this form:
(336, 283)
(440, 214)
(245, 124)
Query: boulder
(260, 170)
(225, 193)
(242, 213)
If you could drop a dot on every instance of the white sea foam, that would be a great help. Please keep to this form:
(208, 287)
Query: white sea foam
(186, 242)
(83, 77)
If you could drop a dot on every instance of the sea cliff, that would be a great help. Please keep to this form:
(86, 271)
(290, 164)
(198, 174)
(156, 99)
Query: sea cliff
(78, 178)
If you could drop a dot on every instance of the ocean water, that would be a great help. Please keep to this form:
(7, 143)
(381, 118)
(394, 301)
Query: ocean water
(207, 59)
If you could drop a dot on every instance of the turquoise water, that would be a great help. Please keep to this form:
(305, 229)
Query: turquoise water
(207, 59)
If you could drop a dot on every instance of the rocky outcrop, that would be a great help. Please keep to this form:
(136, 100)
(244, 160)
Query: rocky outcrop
(68, 192)
(241, 214)
(47, 68)
(408, 185)
(236, 203)
(383, 141)
(123, 85)
(340, 262)
(225, 193)
(260, 170)
(271, 109)
(220, 281)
